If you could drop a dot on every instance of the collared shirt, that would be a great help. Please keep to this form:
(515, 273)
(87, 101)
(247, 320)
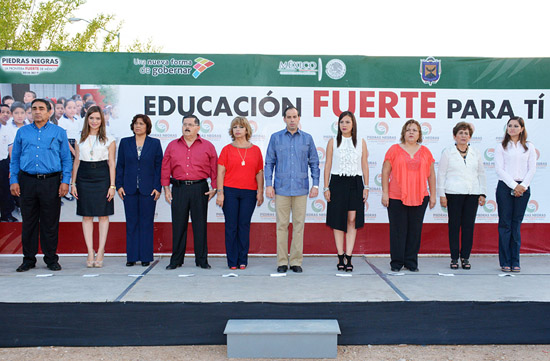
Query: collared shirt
(290, 155)
(72, 126)
(41, 151)
(7, 134)
(515, 165)
(458, 175)
(14, 124)
(199, 161)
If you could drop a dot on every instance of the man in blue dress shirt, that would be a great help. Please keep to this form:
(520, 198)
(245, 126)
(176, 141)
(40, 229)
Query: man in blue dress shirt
(40, 169)
(290, 153)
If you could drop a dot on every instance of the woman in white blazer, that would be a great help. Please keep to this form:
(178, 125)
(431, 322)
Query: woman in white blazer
(461, 186)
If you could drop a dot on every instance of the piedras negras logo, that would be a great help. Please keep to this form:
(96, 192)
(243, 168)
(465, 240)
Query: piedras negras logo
(318, 206)
(30, 65)
(162, 126)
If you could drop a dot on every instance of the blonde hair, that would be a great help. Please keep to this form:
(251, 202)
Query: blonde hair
(242, 121)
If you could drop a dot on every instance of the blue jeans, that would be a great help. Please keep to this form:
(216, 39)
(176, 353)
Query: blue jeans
(238, 206)
(510, 214)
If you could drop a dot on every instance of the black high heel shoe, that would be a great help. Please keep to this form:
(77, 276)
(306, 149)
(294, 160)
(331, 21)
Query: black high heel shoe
(465, 263)
(349, 266)
(341, 265)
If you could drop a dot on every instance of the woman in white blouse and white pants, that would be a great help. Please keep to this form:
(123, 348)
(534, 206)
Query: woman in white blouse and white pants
(346, 186)
(461, 186)
(515, 164)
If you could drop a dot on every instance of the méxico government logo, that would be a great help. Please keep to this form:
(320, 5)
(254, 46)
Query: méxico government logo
(336, 69)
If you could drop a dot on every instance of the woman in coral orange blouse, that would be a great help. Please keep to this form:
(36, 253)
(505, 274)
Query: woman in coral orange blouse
(408, 169)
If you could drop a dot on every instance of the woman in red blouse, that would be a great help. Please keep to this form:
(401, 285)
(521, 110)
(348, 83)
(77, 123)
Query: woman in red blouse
(408, 168)
(240, 188)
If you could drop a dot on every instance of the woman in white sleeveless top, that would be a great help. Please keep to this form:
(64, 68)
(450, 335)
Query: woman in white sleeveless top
(94, 177)
(348, 189)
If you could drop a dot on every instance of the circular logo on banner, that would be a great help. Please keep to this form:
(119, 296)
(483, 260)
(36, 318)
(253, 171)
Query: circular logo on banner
(489, 154)
(334, 127)
(162, 126)
(207, 126)
(538, 153)
(426, 128)
(381, 128)
(271, 205)
(378, 179)
(253, 125)
(532, 206)
(321, 154)
(336, 69)
(318, 206)
(444, 209)
(490, 206)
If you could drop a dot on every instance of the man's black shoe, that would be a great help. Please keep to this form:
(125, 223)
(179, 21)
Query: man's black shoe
(395, 269)
(130, 264)
(205, 266)
(24, 267)
(54, 266)
(296, 269)
(145, 264)
(282, 269)
(172, 266)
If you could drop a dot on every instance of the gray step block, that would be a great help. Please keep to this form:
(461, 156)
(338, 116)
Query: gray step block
(282, 338)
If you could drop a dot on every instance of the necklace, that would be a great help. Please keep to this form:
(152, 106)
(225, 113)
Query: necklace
(92, 146)
(463, 151)
(243, 162)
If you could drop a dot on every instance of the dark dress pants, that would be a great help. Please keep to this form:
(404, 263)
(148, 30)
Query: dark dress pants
(238, 206)
(462, 210)
(511, 210)
(405, 232)
(189, 199)
(40, 207)
(140, 222)
(7, 204)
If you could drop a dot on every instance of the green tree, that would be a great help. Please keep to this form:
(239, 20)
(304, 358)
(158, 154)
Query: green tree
(40, 25)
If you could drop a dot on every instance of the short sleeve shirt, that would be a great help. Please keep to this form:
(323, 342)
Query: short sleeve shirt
(241, 166)
(409, 175)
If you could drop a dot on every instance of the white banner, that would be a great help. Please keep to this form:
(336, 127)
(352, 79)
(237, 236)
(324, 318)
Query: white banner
(380, 115)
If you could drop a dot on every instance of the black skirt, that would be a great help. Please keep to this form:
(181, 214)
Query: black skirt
(346, 194)
(92, 184)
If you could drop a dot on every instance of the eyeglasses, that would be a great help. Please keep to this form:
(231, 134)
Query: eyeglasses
(189, 125)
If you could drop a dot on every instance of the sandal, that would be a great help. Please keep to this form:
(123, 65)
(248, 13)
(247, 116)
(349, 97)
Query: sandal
(454, 264)
(341, 265)
(516, 269)
(99, 264)
(243, 266)
(505, 269)
(349, 266)
(465, 263)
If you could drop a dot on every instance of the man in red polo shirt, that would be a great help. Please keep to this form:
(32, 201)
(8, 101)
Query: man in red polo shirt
(188, 161)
